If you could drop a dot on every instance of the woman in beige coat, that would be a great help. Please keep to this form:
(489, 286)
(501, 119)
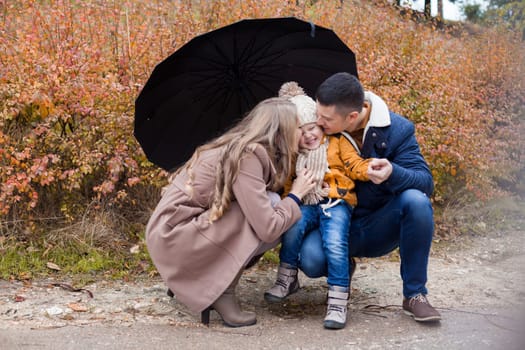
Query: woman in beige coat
(216, 214)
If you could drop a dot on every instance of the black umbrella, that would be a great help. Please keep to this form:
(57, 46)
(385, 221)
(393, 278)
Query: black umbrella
(214, 79)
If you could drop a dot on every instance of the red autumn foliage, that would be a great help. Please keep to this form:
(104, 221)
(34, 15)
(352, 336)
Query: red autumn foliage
(70, 72)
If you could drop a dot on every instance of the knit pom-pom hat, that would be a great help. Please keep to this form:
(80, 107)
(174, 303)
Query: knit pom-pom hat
(306, 106)
(315, 160)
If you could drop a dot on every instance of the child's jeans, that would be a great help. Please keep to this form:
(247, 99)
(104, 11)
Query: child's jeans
(334, 224)
(406, 222)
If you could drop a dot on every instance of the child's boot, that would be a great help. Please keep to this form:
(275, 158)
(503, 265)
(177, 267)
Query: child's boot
(337, 307)
(287, 283)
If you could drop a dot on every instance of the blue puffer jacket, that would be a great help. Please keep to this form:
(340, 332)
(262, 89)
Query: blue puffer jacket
(388, 135)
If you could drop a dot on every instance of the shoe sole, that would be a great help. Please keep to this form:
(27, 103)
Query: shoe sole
(333, 325)
(423, 319)
(237, 325)
(275, 299)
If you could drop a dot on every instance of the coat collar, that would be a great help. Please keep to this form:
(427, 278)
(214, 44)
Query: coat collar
(379, 114)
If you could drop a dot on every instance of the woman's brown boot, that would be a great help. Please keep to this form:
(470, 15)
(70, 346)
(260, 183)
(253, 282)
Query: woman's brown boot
(228, 307)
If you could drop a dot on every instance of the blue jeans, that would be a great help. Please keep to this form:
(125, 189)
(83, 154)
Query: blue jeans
(334, 225)
(406, 222)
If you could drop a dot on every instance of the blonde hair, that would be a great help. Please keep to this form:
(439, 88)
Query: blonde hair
(272, 124)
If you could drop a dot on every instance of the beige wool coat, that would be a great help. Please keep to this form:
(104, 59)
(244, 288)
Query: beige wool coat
(197, 259)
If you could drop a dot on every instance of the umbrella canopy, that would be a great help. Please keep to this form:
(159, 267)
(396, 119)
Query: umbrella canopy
(212, 81)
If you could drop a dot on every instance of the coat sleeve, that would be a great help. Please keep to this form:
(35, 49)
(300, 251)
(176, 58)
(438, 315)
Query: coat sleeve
(268, 222)
(356, 167)
(410, 170)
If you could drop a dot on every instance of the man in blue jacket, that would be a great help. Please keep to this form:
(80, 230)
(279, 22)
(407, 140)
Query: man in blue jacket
(393, 209)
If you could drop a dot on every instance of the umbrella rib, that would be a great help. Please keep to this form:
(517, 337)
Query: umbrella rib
(213, 80)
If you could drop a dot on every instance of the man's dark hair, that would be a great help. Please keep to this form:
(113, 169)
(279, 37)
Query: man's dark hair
(342, 90)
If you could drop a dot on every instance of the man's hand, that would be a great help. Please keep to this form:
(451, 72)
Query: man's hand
(379, 170)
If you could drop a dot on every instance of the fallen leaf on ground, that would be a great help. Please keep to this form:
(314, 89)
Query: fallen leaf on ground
(26, 275)
(19, 298)
(77, 307)
(53, 266)
(71, 288)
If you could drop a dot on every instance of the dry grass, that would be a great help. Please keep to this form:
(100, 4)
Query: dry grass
(466, 217)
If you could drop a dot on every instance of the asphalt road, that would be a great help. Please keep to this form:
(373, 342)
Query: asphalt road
(388, 329)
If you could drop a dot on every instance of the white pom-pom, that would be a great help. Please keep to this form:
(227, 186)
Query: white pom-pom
(291, 89)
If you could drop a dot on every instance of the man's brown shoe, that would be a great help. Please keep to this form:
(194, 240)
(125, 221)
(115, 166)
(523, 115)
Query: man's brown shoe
(420, 309)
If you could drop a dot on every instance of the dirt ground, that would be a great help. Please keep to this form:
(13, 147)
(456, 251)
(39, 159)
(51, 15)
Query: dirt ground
(477, 282)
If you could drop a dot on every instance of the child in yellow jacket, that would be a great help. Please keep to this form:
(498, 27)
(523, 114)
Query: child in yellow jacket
(335, 163)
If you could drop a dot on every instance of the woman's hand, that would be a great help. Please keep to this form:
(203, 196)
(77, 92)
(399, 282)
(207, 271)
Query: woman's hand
(303, 183)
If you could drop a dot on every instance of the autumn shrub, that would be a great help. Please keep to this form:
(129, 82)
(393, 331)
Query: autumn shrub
(463, 92)
(71, 70)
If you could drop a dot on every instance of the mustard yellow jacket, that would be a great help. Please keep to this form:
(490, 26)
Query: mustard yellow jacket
(345, 165)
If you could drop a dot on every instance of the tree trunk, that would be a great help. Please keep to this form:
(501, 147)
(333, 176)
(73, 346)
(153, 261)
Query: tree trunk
(440, 9)
(427, 9)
